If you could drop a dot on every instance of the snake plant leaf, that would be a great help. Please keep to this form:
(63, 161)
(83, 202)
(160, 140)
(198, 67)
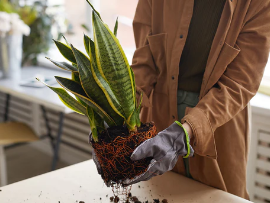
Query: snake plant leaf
(76, 77)
(103, 84)
(67, 43)
(68, 100)
(76, 89)
(116, 27)
(96, 123)
(87, 43)
(114, 67)
(92, 89)
(94, 9)
(63, 65)
(65, 50)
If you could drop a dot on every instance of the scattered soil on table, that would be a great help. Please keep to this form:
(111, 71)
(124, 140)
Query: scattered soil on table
(114, 149)
(134, 199)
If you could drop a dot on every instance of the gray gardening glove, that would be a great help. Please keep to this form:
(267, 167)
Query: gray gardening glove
(165, 148)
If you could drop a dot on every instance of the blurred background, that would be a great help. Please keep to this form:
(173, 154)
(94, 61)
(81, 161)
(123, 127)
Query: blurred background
(52, 137)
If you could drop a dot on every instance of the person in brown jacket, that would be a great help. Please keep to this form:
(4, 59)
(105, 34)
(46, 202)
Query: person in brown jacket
(200, 62)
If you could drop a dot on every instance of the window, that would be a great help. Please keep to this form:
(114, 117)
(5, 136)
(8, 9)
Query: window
(78, 13)
(124, 10)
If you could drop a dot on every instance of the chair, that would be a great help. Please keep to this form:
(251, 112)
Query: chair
(12, 133)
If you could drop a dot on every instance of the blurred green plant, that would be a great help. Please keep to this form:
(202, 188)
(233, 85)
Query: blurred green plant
(40, 37)
(27, 14)
(37, 17)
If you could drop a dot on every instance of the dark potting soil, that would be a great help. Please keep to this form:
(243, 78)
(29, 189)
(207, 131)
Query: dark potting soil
(123, 167)
(111, 133)
(134, 199)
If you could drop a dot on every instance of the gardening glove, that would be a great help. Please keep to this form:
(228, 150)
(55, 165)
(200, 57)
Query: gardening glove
(165, 148)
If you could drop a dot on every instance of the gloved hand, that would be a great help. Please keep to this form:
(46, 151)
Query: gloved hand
(165, 148)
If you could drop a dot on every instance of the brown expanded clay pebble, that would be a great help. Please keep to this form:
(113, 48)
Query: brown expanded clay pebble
(116, 199)
(129, 195)
(156, 201)
(164, 201)
(81, 201)
(111, 198)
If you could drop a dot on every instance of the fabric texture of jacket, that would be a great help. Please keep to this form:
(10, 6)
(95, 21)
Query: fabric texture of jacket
(235, 66)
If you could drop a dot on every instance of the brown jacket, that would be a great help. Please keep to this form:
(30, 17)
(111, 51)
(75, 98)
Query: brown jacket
(232, 76)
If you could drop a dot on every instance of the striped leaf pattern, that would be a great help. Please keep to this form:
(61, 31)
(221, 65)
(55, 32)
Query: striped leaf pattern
(66, 51)
(91, 88)
(77, 90)
(96, 123)
(113, 66)
(63, 65)
(76, 77)
(68, 100)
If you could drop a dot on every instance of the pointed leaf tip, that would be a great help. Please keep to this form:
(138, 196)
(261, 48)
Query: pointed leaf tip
(65, 51)
(94, 10)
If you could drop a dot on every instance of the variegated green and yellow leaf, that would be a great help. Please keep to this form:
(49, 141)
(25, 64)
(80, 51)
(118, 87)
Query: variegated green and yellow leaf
(67, 43)
(66, 51)
(116, 27)
(76, 89)
(96, 123)
(86, 40)
(92, 89)
(104, 85)
(63, 65)
(75, 77)
(114, 67)
(94, 9)
(68, 100)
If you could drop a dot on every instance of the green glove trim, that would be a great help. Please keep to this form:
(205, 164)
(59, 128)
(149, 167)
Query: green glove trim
(187, 138)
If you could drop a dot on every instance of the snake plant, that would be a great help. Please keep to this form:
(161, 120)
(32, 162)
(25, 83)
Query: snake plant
(102, 82)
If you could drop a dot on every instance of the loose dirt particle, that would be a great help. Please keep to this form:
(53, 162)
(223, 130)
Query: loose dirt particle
(81, 201)
(134, 199)
(165, 201)
(116, 199)
(111, 198)
(156, 201)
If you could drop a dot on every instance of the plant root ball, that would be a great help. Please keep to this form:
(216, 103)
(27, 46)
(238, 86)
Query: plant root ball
(114, 148)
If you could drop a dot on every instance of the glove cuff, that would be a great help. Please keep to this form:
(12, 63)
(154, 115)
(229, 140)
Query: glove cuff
(187, 139)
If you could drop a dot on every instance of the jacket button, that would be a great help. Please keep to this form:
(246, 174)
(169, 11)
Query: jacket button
(173, 77)
(181, 36)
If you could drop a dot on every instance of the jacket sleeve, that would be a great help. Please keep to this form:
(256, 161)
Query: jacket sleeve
(235, 88)
(142, 63)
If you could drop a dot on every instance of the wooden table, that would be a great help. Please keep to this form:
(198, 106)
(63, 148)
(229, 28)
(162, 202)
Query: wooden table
(81, 182)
